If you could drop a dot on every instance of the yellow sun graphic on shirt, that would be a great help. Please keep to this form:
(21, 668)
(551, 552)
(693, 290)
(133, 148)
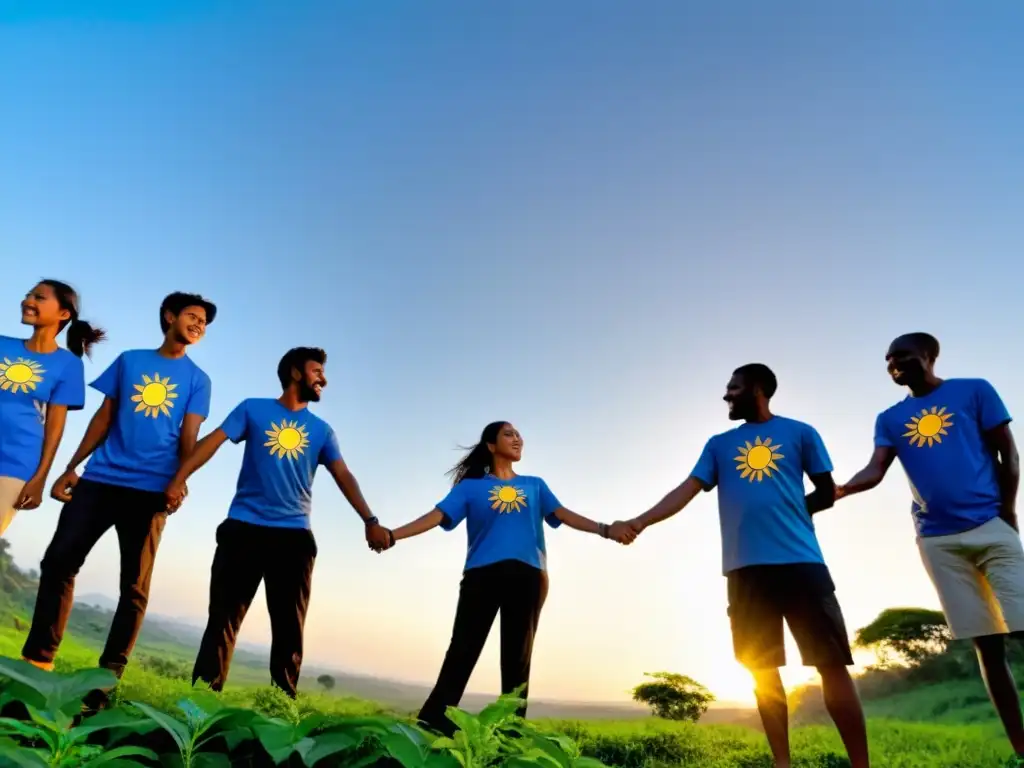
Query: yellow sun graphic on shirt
(506, 498)
(757, 460)
(289, 438)
(154, 395)
(22, 375)
(929, 427)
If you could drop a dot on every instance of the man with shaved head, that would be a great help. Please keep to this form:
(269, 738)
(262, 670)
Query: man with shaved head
(954, 441)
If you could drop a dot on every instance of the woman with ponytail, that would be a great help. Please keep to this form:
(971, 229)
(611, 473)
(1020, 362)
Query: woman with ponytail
(39, 384)
(506, 568)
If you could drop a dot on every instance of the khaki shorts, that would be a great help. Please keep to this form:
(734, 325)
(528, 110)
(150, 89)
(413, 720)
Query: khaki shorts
(10, 489)
(979, 575)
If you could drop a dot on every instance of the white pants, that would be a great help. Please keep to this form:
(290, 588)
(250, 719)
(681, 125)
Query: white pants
(10, 490)
(979, 576)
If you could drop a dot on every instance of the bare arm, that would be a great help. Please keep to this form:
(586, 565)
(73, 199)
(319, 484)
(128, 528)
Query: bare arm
(95, 433)
(53, 431)
(578, 522)
(189, 434)
(824, 494)
(350, 488)
(1001, 443)
(420, 525)
(871, 475)
(203, 452)
(672, 504)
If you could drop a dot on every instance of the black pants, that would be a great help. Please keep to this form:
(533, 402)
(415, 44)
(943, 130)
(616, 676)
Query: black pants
(247, 554)
(138, 517)
(517, 591)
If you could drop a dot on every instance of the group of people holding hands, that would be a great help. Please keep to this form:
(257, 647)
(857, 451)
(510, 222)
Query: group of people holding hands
(951, 436)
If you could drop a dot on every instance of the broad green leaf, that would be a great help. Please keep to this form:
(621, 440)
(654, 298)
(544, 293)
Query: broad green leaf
(9, 725)
(18, 757)
(463, 720)
(559, 754)
(406, 746)
(14, 690)
(71, 689)
(113, 755)
(211, 760)
(28, 675)
(310, 723)
(499, 711)
(206, 700)
(232, 737)
(110, 719)
(329, 744)
(444, 743)
(588, 762)
(176, 729)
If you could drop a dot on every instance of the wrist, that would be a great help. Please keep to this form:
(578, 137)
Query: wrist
(602, 530)
(370, 521)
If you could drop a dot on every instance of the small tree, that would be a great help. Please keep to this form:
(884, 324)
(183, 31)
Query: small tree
(911, 636)
(674, 697)
(326, 681)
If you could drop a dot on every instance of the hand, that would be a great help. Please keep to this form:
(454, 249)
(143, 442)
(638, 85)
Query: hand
(840, 492)
(175, 493)
(1009, 514)
(622, 532)
(31, 495)
(379, 538)
(64, 486)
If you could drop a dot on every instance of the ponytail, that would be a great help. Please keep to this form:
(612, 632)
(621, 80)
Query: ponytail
(82, 336)
(477, 462)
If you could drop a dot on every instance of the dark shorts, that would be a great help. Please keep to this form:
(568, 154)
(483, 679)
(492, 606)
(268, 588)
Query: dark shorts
(803, 595)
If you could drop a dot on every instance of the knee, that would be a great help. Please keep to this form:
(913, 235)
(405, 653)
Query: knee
(135, 596)
(768, 682)
(60, 562)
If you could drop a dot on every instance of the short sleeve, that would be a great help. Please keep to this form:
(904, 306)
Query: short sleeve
(813, 454)
(549, 504)
(237, 422)
(454, 507)
(706, 469)
(330, 452)
(199, 398)
(882, 439)
(109, 382)
(70, 387)
(992, 411)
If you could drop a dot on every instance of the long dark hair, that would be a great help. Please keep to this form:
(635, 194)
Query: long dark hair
(477, 462)
(81, 335)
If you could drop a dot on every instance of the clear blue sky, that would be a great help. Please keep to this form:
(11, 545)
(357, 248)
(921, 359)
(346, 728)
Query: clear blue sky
(579, 216)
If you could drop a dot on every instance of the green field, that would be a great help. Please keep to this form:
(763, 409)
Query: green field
(896, 742)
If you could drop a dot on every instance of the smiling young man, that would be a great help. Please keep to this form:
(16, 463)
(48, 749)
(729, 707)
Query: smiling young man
(154, 402)
(773, 564)
(953, 438)
(267, 535)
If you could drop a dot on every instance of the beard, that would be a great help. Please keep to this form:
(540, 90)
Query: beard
(307, 394)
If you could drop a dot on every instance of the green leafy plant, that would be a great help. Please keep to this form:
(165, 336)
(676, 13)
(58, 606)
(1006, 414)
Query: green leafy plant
(53, 702)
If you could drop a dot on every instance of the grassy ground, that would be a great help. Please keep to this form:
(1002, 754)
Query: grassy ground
(952, 742)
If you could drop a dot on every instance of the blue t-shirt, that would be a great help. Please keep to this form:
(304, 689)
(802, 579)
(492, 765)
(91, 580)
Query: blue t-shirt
(30, 381)
(939, 439)
(503, 518)
(759, 471)
(152, 393)
(283, 448)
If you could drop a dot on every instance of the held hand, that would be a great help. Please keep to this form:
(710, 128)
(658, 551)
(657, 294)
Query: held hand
(64, 486)
(840, 492)
(175, 493)
(31, 494)
(636, 525)
(379, 538)
(622, 532)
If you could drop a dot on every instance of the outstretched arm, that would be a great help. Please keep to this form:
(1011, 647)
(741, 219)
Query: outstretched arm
(621, 532)
(871, 475)
(377, 537)
(1004, 447)
(672, 504)
(824, 494)
(420, 525)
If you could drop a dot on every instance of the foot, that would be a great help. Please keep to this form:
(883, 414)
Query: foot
(95, 701)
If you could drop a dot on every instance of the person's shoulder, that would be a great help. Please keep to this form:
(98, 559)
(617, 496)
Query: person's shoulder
(895, 409)
(200, 376)
(10, 340)
(969, 384)
(796, 425)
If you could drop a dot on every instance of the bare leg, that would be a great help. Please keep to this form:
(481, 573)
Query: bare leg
(774, 711)
(843, 705)
(995, 671)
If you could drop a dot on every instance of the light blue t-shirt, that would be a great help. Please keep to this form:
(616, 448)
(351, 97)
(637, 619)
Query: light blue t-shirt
(759, 471)
(939, 439)
(503, 518)
(283, 449)
(153, 394)
(30, 381)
